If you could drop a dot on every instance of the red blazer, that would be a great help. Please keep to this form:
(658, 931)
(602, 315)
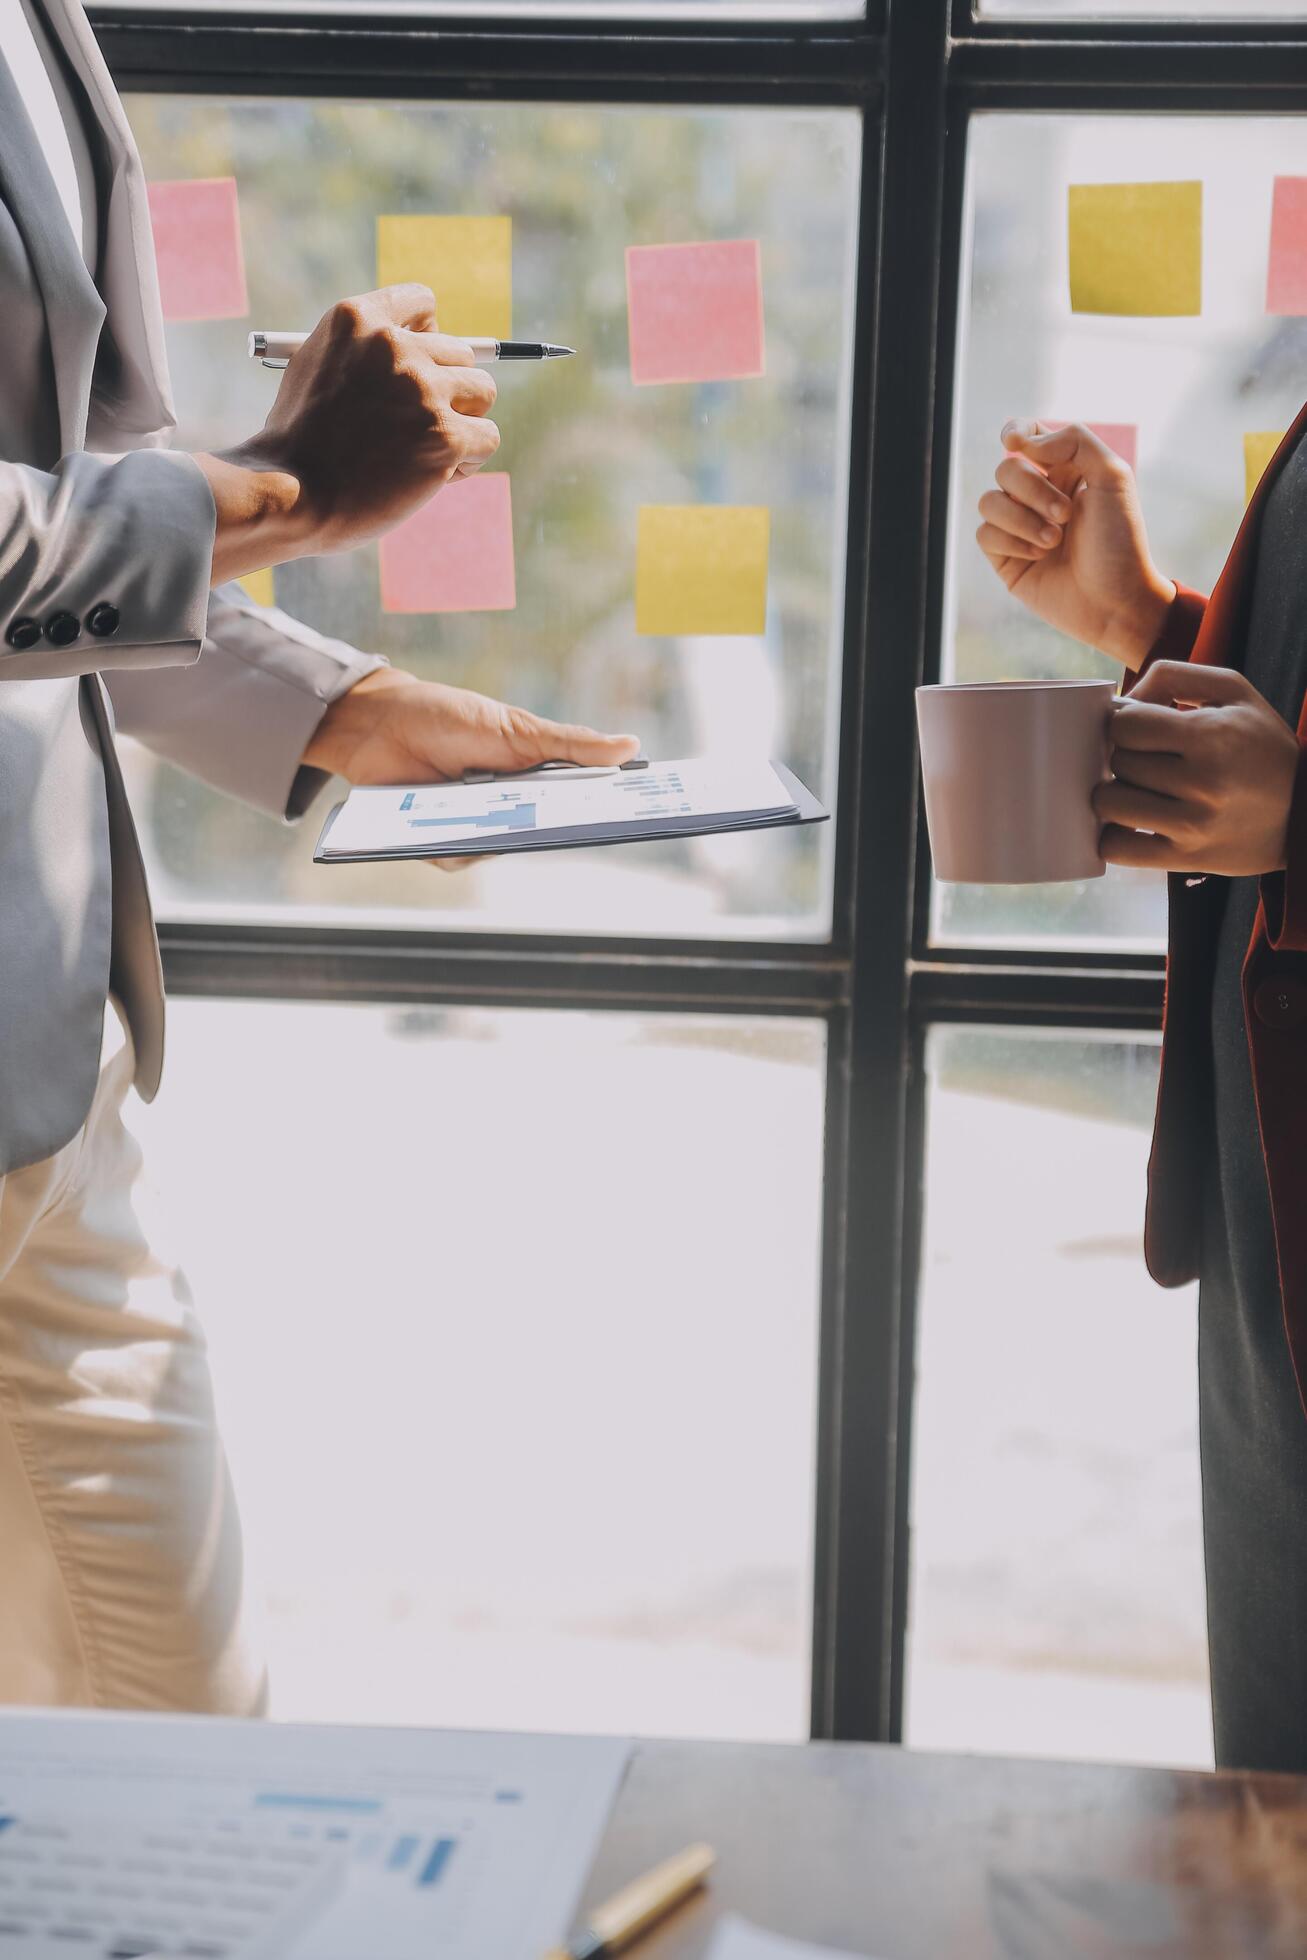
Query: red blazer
(1274, 987)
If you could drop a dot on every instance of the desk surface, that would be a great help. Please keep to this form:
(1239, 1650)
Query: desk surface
(907, 1856)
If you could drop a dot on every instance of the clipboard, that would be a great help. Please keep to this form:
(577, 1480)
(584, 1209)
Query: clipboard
(806, 810)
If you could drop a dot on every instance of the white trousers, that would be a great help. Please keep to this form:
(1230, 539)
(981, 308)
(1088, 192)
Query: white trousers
(121, 1571)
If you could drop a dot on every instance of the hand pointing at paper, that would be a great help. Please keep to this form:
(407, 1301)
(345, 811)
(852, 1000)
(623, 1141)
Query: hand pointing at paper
(394, 728)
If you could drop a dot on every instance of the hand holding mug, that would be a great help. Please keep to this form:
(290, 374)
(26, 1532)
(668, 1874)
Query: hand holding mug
(1203, 775)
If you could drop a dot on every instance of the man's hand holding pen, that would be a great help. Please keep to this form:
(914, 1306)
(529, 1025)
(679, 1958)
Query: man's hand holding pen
(377, 411)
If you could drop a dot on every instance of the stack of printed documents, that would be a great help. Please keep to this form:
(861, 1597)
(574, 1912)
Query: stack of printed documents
(166, 1838)
(550, 808)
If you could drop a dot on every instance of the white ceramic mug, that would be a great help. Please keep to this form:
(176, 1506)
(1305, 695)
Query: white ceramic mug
(1009, 769)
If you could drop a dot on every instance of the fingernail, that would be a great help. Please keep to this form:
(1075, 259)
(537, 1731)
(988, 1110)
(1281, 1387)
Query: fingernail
(1048, 534)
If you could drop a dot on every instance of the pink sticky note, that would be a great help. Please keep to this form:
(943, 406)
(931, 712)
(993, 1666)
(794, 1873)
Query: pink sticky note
(1286, 278)
(695, 311)
(455, 554)
(197, 241)
(1121, 436)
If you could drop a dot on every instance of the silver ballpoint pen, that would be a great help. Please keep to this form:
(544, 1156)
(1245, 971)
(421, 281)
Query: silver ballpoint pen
(275, 349)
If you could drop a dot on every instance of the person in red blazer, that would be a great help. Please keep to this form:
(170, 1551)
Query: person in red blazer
(1209, 784)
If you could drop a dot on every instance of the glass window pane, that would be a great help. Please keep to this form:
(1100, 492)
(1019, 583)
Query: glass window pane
(1190, 387)
(584, 449)
(522, 1423)
(1057, 1600)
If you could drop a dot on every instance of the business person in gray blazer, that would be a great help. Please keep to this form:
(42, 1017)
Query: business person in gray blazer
(120, 1564)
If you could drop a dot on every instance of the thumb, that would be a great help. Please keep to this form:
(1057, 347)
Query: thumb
(559, 741)
(1072, 445)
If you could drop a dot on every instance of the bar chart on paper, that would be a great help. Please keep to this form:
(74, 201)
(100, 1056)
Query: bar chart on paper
(508, 812)
(133, 1838)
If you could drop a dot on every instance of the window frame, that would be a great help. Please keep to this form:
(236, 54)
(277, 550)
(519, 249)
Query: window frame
(916, 70)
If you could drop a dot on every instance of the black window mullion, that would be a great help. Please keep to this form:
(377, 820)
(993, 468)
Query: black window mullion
(1038, 996)
(1161, 73)
(251, 54)
(859, 1622)
(935, 544)
(301, 962)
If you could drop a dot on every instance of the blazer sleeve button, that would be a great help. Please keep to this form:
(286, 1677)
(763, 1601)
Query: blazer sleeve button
(21, 633)
(62, 628)
(1281, 1003)
(103, 619)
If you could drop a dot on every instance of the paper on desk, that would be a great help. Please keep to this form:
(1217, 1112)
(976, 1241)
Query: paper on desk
(130, 1887)
(537, 808)
(736, 1939)
(441, 1845)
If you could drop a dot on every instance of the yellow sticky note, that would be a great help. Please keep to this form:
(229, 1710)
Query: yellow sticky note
(702, 568)
(1136, 248)
(1258, 449)
(467, 262)
(259, 587)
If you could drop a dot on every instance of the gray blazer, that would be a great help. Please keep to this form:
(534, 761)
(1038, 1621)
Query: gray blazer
(106, 537)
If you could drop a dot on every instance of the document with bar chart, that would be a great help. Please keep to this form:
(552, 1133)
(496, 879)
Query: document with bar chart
(549, 810)
(165, 1838)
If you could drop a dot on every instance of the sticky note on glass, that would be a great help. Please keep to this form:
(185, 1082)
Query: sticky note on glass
(1258, 449)
(1286, 277)
(695, 311)
(1136, 248)
(259, 587)
(455, 554)
(467, 262)
(197, 242)
(1123, 437)
(702, 568)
